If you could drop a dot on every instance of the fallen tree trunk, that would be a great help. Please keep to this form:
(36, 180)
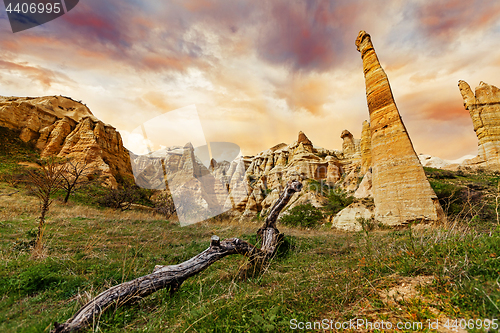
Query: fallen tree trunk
(173, 276)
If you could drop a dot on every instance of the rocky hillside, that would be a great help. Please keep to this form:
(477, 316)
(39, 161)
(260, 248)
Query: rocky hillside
(60, 126)
(248, 185)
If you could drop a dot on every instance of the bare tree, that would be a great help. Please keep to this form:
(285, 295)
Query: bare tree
(73, 176)
(45, 182)
(173, 276)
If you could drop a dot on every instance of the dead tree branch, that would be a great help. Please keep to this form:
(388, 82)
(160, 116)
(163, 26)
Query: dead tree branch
(73, 177)
(173, 276)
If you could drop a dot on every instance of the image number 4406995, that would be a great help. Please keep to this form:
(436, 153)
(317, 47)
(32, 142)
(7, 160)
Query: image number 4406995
(26, 14)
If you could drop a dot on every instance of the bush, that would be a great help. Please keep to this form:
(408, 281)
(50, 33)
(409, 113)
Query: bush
(305, 216)
(454, 199)
(337, 200)
(164, 205)
(439, 173)
(318, 187)
(123, 197)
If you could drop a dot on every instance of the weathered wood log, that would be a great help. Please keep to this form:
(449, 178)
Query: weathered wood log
(173, 276)
(268, 234)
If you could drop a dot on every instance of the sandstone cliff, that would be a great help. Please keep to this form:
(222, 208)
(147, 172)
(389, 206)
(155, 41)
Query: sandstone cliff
(484, 109)
(401, 190)
(62, 127)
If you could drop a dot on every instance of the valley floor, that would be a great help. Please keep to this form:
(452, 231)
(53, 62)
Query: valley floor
(396, 276)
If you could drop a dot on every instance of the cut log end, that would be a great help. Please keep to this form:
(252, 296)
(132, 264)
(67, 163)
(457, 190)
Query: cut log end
(214, 241)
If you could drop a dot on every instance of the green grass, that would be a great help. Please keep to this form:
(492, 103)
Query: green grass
(316, 274)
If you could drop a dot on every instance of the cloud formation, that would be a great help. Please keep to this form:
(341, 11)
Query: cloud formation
(260, 71)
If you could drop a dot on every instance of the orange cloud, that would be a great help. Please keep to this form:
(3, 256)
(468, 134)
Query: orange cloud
(45, 77)
(306, 94)
(446, 110)
(158, 100)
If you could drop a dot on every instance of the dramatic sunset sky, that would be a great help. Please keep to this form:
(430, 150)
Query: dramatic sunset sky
(258, 72)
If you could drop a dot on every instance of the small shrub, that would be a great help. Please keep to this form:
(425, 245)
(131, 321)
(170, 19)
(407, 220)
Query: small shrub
(305, 216)
(460, 200)
(164, 205)
(318, 187)
(336, 201)
(123, 197)
(367, 224)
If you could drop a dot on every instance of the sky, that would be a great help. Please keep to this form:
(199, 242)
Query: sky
(258, 72)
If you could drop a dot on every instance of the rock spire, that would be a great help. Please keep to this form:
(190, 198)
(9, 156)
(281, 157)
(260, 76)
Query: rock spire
(484, 109)
(401, 190)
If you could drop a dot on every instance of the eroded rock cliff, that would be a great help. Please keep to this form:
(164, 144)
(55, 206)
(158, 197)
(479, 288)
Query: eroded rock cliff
(62, 127)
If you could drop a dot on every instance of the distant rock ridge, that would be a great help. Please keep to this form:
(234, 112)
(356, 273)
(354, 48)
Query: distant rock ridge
(400, 187)
(484, 108)
(60, 126)
(248, 184)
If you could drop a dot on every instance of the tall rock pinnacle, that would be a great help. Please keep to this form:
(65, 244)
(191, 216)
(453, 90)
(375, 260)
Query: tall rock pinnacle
(401, 190)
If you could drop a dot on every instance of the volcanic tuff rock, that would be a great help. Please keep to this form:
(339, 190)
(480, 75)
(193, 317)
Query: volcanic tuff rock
(401, 190)
(433, 162)
(270, 170)
(366, 147)
(62, 127)
(350, 218)
(365, 187)
(351, 151)
(198, 192)
(299, 160)
(484, 109)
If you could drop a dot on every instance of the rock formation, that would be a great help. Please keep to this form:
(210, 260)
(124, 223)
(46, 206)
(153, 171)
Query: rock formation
(484, 109)
(197, 191)
(365, 187)
(350, 218)
(249, 185)
(401, 190)
(304, 140)
(62, 127)
(351, 151)
(366, 147)
(348, 144)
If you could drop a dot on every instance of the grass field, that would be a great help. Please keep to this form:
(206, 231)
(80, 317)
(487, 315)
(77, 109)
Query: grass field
(318, 274)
